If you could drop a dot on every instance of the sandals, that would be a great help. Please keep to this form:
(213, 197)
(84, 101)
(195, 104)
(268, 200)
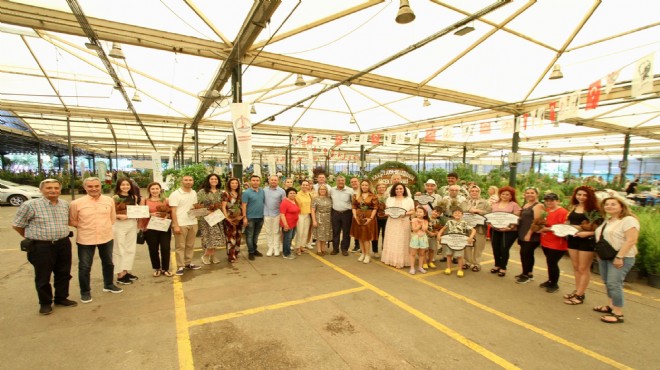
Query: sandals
(570, 295)
(476, 268)
(618, 319)
(157, 273)
(320, 253)
(603, 309)
(501, 273)
(465, 266)
(167, 273)
(575, 300)
(494, 270)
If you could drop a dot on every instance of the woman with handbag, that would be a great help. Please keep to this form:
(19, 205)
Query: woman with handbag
(502, 239)
(158, 241)
(620, 231)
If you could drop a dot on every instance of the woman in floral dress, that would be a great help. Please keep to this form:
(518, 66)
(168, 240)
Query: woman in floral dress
(231, 207)
(210, 196)
(321, 207)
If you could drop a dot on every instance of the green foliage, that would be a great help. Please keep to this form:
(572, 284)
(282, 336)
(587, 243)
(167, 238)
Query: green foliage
(197, 171)
(648, 243)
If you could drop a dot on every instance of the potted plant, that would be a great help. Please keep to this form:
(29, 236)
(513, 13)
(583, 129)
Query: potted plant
(648, 245)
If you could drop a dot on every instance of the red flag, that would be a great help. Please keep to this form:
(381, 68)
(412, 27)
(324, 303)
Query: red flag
(593, 97)
(375, 139)
(339, 139)
(553, 106)
(525, 117)
(430, 135)
(310, 139)
(484, 128)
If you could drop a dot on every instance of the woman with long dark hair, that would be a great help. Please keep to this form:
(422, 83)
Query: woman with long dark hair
(529, 237)
(210, 196)
(503, 238)
(585, 214)
(232, 208)
(158, 241)
(125, 232)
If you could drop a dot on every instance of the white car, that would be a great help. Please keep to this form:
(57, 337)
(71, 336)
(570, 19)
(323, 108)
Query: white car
(16, 194)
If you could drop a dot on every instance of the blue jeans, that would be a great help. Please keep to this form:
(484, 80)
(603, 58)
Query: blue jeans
(613, 278)
(85, 258)
(252, 233)
(287, 236)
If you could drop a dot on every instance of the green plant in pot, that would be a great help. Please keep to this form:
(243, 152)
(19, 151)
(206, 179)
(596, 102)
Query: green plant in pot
(648, 244)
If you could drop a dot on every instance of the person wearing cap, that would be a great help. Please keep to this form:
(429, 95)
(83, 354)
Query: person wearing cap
(45, 222)
(554, 247)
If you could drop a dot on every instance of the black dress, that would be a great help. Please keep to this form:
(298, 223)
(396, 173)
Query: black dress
(575, 242)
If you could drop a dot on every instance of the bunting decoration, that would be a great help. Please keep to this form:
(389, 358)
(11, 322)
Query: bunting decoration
(484, 128)
(611, 80)
(375, 139)
(430, 135)
(642, 82)
(338, 140)
(593, 97)
(553, 108)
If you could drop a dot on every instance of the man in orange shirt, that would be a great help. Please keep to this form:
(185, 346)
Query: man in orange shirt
(93, 216)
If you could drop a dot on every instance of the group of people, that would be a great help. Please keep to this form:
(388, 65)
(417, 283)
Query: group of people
(411, 226)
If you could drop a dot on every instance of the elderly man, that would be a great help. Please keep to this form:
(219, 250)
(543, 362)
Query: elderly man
(44, 223)
(341, 216)
(253, 209)
(273, 197)
(184, 226)
(93, 215)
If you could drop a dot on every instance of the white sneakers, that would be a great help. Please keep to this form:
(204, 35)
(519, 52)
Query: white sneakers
(366, 259)
(361, 258)
(206, 259)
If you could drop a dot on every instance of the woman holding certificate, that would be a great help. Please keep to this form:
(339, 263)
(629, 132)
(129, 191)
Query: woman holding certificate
(158, 241)
(125, 232)
(231, 207)
(396, 243)
(209, 195)
(502, 239)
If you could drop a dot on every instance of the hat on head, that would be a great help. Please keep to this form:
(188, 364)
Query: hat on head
(430, 181)
(551, 196)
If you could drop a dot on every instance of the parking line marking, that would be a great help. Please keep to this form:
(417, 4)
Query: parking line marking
(182, 334)
(276, 306)
(523, 324)
(420, 315)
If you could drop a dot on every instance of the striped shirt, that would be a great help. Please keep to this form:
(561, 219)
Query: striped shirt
(43, 220)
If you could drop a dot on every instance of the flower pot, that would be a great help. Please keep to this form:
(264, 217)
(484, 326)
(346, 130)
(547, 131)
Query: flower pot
(633, 275)
(654, 280)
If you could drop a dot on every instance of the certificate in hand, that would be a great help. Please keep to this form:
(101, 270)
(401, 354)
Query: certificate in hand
(214, 217)
(198, 212)
(137, 211)
(159, 224)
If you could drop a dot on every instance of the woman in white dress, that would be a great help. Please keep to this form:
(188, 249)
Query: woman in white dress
(397, 232)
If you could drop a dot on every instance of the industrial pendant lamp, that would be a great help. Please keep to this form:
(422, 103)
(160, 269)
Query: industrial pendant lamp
(136, 97)
(405, 14)
(352, 121)
(253, 110)
(556, 73)
(426, 102)
(116, 51)
(300, 81)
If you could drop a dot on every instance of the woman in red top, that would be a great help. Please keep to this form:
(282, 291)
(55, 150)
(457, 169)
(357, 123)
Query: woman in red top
(157, 241)
(554, 247)
(289, 212)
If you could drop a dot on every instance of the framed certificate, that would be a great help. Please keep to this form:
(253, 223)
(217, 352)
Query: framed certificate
(424, 199)
(562, 230)
(395, 212)
(214, 217)
(455, 242)
(137, 212)
(500, 220)
(474, 219)
(159, 223)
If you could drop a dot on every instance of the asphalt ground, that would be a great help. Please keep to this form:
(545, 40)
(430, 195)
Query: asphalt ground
(316, 312)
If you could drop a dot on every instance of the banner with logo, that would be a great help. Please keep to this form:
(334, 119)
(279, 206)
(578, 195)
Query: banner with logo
(157, 167)
(240, 117)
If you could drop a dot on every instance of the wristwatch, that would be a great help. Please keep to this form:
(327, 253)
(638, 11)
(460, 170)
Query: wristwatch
(619, 258)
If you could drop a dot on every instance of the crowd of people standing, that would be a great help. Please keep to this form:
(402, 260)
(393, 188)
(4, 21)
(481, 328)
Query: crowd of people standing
(412, 227)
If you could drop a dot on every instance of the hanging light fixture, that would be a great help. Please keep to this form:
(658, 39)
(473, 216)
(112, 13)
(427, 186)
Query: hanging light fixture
(426, 102)
(136, 97)
(405, 14)
(352, 121)
(300, 81)
(556, 73)
(116, 51)
(465, 30)
(253, 110)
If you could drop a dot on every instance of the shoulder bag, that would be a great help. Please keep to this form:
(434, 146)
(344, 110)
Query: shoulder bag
(603, 248)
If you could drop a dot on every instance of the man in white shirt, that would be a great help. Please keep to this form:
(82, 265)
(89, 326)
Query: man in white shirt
(184, 226)
(273, 197)
(320, 181)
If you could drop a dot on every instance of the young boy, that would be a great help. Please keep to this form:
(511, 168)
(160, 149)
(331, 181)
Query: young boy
(435, 224)
(457, 226)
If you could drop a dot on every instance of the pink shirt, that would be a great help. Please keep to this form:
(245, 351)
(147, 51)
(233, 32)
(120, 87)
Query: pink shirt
(93, 217)
(510, 207)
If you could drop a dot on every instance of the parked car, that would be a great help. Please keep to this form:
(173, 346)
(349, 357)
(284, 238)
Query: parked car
(16, 194)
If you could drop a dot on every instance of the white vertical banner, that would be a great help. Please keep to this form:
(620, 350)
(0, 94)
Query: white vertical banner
(101, 169)
(240, 117)
(257, 169)
(272, 165)
(364, 138)
(414, 138)
(310, 164)
(156, 167)
(170, 160)
(642, 81)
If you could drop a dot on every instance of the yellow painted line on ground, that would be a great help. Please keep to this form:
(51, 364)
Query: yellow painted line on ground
(420, 315)
(553, 337)
(182, 334)
(276, 306)
(595, 282)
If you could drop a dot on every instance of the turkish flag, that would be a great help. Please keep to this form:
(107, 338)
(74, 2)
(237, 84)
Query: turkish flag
(310, 139)
(430, 135)
(339, 139)
(553, 106)
(593, 97)
(375, 139)
(525, 117)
